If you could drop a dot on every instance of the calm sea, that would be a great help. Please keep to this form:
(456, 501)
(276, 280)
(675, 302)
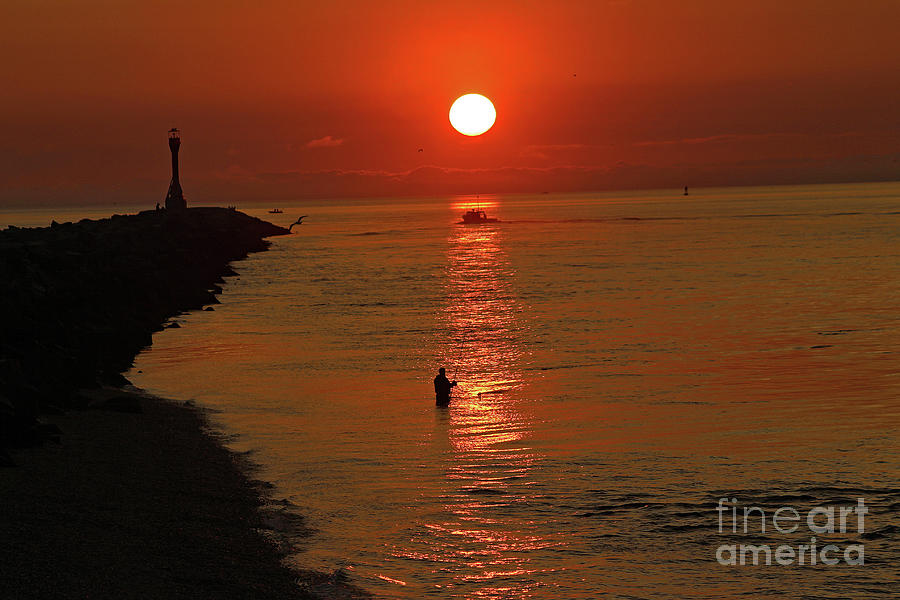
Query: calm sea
(624, 362)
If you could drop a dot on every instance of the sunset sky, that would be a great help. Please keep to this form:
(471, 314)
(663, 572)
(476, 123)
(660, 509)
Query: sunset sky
(281, 99)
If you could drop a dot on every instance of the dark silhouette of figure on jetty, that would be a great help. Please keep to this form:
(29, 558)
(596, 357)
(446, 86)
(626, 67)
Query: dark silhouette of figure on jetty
(442, 387)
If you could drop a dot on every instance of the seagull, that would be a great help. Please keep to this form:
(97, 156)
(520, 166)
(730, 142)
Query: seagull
(299, 221)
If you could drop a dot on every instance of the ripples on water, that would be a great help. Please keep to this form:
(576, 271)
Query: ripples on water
(624, 362)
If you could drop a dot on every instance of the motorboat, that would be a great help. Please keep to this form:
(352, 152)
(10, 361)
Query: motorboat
(475, 216)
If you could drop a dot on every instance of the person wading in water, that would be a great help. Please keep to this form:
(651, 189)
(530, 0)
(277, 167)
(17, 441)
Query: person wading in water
(442, 387)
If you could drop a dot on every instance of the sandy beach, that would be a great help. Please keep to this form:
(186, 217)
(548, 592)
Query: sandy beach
(145, 504)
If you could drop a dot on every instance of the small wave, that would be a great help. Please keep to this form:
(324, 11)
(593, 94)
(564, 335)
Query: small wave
(482, 491)
(494, 391)
(771, 215)
(878, 534)
(788, 498)
(368, 304)
(625, 506)
(555, 367)
(683, 527)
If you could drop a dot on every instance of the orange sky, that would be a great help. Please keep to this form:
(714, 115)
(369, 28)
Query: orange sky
(281, 99)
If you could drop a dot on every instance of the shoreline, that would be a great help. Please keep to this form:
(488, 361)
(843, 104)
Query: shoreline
(141, 498)
(109, 492)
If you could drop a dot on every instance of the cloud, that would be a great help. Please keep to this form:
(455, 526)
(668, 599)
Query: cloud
(727, 159)
(427, 172)
(780, 138)
(325, 142)
(712, 139)
(433, 180)
(546, 150)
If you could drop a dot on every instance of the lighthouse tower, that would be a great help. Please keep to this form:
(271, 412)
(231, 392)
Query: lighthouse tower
(175, 198)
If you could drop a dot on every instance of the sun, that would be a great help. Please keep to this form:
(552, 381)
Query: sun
(472, 114)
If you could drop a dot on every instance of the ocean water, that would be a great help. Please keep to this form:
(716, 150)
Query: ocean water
(625, 360)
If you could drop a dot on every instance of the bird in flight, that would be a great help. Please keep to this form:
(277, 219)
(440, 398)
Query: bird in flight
(299, 221)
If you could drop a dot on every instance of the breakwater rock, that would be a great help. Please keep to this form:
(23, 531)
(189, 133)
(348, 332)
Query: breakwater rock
(79, 300)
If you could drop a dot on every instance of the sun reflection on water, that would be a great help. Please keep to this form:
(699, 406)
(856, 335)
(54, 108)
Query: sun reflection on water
(477, 536)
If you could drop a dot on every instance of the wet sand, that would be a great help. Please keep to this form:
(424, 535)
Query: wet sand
(145, 504)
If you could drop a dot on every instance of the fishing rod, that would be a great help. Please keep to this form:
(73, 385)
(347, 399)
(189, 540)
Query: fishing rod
(456, 362)
(456, 367)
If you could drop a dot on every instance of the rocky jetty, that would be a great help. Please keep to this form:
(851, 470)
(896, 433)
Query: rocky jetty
(140, 499)
(79, 300)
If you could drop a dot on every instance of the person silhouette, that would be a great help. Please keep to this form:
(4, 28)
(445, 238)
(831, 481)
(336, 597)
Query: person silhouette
(442, 387)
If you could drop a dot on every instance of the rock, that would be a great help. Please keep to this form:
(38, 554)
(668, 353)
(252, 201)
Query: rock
(79, 401)
(124, 404)
(121, 279)
(173, 325)
(6, 407)
(114, 379)
(48, 428)
(209, 309)
(20, 431)
(45, 432)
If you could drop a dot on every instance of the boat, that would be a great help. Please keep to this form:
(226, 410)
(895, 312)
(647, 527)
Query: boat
(474, 216)
(275, 211)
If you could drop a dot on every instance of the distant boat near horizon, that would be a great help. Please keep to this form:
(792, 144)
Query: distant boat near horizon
(276, 211)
